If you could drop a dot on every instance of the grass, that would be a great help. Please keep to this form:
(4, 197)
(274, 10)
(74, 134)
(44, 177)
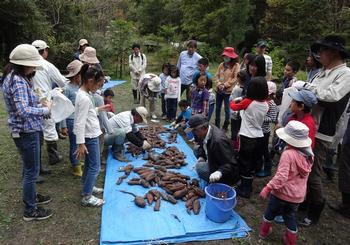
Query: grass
(72, 224)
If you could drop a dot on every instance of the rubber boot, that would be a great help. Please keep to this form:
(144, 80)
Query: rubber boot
(77, 171)
(225, 126)
(313, 214)
(245, 188)
(40, 179)
(43, 169)
(265, 229)
(290, 237)
(217, 123)
(54, 156)
(117, 153)
(104, 155)
(266, 171)
(134, 93)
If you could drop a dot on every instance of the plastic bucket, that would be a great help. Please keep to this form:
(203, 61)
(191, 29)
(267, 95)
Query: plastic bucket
(218, 209)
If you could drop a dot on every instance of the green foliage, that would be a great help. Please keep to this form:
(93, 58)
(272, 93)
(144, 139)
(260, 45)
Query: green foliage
(278, 58)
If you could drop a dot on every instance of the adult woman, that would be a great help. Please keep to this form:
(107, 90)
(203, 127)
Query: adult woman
(225, 80)
(26, 123)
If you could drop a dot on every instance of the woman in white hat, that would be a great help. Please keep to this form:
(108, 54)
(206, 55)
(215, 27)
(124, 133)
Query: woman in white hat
(287, 189)
(25, 118)
(149, 87)
(70, 91)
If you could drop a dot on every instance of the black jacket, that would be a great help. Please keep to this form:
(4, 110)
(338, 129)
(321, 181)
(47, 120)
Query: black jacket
(220, 156)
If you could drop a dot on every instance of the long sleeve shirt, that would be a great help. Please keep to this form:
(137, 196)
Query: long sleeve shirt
(200, 98)
(187, 65)
(270, 117)
(25, 113)
(47, 76)
(226, 76)
(137, 64)
(86, 124)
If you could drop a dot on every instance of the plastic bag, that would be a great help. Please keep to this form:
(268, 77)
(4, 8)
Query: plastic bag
(61, 106)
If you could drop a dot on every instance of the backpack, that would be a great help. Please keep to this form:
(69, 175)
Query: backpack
(132, 58)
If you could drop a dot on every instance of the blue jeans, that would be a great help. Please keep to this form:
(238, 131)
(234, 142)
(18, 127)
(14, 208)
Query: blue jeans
(277, 207)
(116, 139)
(219, 99)
(210, 111)
(92, 165)
(72, 142)
(28, 145)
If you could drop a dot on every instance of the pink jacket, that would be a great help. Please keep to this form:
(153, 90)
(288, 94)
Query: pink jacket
(289, 182)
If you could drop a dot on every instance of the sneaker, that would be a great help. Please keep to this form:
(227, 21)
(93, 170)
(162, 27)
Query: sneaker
(40, 199)
(40, 179)
(164, 117)
(96, 190)
(154, 116)
(92, 202)
(279, 219)
(306, 222)
(38, 214)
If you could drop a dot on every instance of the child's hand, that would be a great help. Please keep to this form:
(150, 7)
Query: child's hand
(81, 150)
(104, 108)
(64, 131)
(265, 192)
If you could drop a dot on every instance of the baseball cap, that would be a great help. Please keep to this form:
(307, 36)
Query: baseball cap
(304, 96)
(196, 121)
(83, 42)
(40, 44)
(262, 44)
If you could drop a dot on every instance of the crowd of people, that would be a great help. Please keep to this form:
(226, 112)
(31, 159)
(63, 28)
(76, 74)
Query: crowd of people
(305, 120)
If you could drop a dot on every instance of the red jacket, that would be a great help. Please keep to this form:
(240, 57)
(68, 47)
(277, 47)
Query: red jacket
(309, 121)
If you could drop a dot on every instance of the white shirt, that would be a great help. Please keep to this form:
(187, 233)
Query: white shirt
(253, 119)
(46, 76)
(122, 120)
(86, 124)
(173, 88)
(205, 141)
(137, 64)
(268, 63)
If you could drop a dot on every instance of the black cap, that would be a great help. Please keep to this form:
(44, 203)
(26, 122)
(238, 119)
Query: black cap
(262, 44)
(196, 120)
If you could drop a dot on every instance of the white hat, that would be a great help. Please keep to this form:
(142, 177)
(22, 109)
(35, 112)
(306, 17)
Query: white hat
(40, 44)
(295, 133)
(154, 84)
(73, 68)
(89, 56)
(272, 87)
(83, 42)
(25, 55)
(142, 111)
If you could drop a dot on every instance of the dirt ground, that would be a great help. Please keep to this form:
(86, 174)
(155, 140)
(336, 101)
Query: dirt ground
(72, 224)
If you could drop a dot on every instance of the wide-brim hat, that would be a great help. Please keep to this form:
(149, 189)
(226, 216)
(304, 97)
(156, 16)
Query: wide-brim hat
(142, 111)
(332, 42)
(295, 133)
(154, 84)
(89, 56)
(73, 68)
(230, 52)
(25, 55)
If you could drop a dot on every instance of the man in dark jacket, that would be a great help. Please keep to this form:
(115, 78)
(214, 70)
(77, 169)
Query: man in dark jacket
(216, 161)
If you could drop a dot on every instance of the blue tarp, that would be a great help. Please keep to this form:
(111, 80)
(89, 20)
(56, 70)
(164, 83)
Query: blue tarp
(125, 223)
(112, 83)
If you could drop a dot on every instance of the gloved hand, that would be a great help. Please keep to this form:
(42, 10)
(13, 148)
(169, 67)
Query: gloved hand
(265, 192)
(176, 126)
(215, 176)
(146, 145)
(172, 124)
(200, 159)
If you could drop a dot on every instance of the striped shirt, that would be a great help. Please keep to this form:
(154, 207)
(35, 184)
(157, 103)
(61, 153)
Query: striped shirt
(271, 117)
(25, 113)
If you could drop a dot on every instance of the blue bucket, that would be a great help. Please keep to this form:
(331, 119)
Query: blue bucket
(218, 209)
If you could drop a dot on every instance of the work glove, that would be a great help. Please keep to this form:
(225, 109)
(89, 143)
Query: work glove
(146, 146)
(214, 177)
(176, 126)
(265, 192)
(172, 124)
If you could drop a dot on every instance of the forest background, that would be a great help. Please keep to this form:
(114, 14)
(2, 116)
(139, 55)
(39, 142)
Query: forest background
(163, 26)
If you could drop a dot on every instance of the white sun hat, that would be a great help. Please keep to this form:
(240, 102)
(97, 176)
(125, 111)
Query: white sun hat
(295, 133)
(142, 111)
(25, 55)
(89, 56)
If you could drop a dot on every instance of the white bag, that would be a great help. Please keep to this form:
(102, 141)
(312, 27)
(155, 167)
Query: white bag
(61, 106)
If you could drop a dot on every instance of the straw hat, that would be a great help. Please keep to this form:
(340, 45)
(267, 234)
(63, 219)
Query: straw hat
(25, 55)
(142, 111)
(73, 68)
(295, 133)
(89, 56)
(40, 44)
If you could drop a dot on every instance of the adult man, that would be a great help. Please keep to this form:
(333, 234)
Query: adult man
(137, 64)
(331, 86)
(124, 126)
(44, 80)
(187, 65)
(216, 161)
(261, 48)
(83, 43)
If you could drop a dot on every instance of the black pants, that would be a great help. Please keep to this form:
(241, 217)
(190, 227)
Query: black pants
(163, 104)
(171, 106)
(235, 126)
(344, 169)
(249, 156)
(188, 91)
(266, 152)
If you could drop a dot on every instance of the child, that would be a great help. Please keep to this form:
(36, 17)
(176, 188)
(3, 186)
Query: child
(183, 118)
(172, 92)
(290, 70)
(235, 117)
(288, 186)
(163, 76)
(200, 96)
(254, 108)
(70, 91)
(108, 94)
(149, 87)
(87, 131)
(271, 117)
